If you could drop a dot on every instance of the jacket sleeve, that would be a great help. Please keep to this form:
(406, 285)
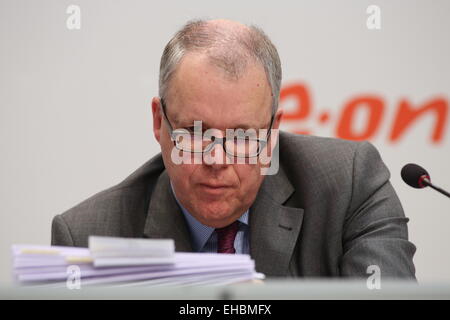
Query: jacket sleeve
(61, 235)
(375, 235)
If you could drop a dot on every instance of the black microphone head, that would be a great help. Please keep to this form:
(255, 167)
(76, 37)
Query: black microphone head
(413, 174)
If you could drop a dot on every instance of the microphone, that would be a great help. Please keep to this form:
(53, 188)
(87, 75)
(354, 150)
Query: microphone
(417, 177)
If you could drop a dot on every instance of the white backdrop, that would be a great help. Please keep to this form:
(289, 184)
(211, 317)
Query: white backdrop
(75, 114)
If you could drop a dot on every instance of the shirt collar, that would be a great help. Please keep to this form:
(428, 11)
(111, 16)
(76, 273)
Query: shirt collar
(200, 233)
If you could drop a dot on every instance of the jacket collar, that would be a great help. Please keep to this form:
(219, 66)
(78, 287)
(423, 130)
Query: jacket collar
(164, 216)
(274, 228)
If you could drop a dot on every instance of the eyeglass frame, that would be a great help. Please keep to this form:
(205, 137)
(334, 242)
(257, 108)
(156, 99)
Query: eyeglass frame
(216, 140)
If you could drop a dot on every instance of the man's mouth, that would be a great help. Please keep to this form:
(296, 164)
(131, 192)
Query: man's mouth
(213, 188)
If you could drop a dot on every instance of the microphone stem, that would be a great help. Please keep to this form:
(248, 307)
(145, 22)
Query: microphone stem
(445, 193)
(428, 183)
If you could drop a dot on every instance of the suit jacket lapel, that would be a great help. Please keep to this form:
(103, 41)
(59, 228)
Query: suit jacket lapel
(164, 217)
(274, 228)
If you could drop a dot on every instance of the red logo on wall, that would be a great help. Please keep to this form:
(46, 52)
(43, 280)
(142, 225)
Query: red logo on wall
(406, 115)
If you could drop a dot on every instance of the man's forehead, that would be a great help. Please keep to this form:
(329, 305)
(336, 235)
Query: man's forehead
(220, 114)
(200, 91)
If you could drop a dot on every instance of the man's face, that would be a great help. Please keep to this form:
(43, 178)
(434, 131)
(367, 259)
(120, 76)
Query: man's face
(215, 194)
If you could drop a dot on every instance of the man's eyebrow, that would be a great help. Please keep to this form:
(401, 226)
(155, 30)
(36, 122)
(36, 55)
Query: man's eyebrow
(188, 124)
(181, 121)
(245, 126)
(184, 123)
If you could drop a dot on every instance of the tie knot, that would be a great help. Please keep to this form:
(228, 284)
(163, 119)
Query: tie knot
(226, 236)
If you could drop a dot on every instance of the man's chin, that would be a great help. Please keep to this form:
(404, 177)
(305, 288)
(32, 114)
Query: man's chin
(214, 215)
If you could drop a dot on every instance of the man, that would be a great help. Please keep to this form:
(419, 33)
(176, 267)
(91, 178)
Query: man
(329, 209)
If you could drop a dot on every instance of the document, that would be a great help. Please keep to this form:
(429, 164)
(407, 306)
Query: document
(128, 262)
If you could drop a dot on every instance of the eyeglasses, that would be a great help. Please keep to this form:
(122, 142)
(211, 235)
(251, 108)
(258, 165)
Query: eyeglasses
(240, 144)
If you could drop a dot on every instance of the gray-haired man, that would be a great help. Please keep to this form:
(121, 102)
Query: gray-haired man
(328, 211)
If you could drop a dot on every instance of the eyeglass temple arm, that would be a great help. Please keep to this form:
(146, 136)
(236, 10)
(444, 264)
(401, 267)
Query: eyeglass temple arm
(163, 107)
(270, 127)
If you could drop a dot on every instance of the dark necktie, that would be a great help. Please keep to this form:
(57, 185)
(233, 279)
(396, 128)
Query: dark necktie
(225, 238)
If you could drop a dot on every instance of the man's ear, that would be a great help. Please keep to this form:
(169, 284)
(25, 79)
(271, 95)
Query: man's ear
(277, 119)
(157, 118)
(275, 128)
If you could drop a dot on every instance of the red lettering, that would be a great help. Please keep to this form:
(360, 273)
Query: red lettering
(375, 107)
(407, 115)
(303, 104)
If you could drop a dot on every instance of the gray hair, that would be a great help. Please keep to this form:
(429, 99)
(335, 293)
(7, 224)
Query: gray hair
(231, 51)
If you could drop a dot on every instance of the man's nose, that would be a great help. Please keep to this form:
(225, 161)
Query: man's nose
(216, 158)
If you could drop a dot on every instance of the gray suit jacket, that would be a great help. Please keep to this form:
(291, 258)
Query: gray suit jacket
(330, 211)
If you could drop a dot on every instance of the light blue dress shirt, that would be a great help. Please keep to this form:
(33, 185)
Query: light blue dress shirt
(204, 238)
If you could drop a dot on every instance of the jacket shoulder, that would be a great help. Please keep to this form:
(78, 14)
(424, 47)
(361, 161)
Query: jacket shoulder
(314, 153)
(294, 143)
(117, 211)
(321, 166)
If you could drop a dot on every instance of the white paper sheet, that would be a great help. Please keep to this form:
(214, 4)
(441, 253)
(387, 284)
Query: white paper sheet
(141, 262)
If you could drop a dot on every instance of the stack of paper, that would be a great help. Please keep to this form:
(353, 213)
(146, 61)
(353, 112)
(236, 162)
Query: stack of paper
(125, 262)
(113, 252)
